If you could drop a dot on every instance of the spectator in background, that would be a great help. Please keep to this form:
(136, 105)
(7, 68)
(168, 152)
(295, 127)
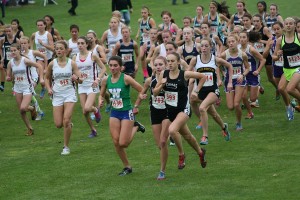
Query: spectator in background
(122, 6)
(74, 4)
(3, 3)
(183, 1)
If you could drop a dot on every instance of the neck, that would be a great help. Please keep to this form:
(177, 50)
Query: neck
(84, 52)
(116, 75)
(241, 13)
(290, 34)
(126, 39)
(62, 59)
(233, 50)
(42, 31)
(244, 45)
(205, 55)
(189, 42)
(17, 58)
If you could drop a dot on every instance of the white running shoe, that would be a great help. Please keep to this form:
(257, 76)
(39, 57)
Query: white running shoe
(65, 151)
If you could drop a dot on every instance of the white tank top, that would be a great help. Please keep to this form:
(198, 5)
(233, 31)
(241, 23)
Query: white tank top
(62, 77)
(21, 73)
(208, 69)
(33, 70)
(112, 40)
(41, 48)
(163, 51)
(87, 69)
(73, 45)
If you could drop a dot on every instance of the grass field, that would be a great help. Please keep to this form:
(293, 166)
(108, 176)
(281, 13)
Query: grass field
(261, 162)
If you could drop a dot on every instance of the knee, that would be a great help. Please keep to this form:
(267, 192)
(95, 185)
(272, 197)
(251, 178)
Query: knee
(162, 144)
(86, 110)
(236, 105)
(230, 107)
(123, 144)
(66, 122)
(289, 89)
(202, 110)
(58, 125)
(23, 110)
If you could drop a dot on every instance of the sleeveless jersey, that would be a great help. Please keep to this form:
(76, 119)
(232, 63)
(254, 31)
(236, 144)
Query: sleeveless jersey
(145, 25)
(62, 77)
(260, 47)
(21, 74)
(41, 48)
(189, 55)
(120, 94)
(214, 24)
(253, 62)
(33, 70)
(157, 102)
(209, 70)
(236, 62)
(73, 45)
(291, 52)
(236, 19)
(87, 69)
(112, 40)
(127, 55)
(176, 91)
(170, 29)
(278, 63)
(163, 51)
(6, 48)
(197, 23)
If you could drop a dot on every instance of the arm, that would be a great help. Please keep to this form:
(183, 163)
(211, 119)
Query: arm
(136, 51)
(220, 45)
(278, 52)
(230, 24)
(101, 65)
(192, 64)
(39, 54)
(184, 65)
(222, 62)
(116, 49)
(38, 66)
(268, 48)
(152, 23)
(76, 72)
(247, 68)
(57, 35)
(196, 75)
(139, 30)
(262, 60)
(8, 72)
(101, 52)
(49, 46)
(150, 54)
(103, 38)
(31, 42)
(134, 84)
(160, 84)
(102, 92)
(48, 78)
(144, 91)
(178, 39)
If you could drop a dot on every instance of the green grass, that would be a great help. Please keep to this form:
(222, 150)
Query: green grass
(262, 162)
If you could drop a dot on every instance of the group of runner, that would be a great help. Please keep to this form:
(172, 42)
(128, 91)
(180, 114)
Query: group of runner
(182, 67)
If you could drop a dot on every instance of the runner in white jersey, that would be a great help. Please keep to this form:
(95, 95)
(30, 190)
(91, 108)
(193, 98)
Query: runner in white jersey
(18, 66)
(90, 81)
(60, 75)
(207, 64)
(111, 36)
(44, 43)
(32, 54)
(72, 42)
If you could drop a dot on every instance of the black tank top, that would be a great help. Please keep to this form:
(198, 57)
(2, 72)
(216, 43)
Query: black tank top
(6, 48)
(189, 55)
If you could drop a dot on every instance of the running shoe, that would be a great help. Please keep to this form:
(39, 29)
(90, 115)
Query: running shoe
(238, 127)
(141, 127)
(33, 113)
(204, 140)
(293, 103)
(40, 116)
(261, 90)
(172, 142)
(30, 132)
(43, 92)
(255, 104)
(161, 176)
(202, 158)
(1, 88)
(249, 116)
(226, 133)
(92, 116)
(108, 108)
(181, 161)
(97, 115)
(199, 126)
(290, 113)
(125, 171)
(93, 134)
(65, 151)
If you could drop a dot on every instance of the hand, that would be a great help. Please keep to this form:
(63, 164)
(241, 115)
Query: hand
(95, 84)
(8, 78)
(279, 53)
(74, 77)
(135, 111)
(164, 81)
(143, 96)
(101, 103)
(220, 83)
(256, 73)
(229, 86)
(40, 42)
(136, 67)
(130, 10)
(50, 92)
(240, 79)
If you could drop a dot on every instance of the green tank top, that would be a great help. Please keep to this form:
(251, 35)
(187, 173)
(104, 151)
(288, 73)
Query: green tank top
(120, 94)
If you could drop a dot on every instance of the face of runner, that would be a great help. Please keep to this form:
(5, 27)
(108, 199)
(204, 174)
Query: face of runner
(114, 24)
(212, 8)
(170, 49)
(166, 37)
(82, 45)
(125, 33)
(14, 25)
(257, 23)
(144, 13)
(159, 65)
(8, 32)
(186, 23)
(243, 38)
(14, 52)
(173, 62)
(204, 29)
(240, 7)
(74, 33)
(260, 8)
(277, 30)
(60, 50)
(114, 67)
(166, 19)
(91, 37)
(247, 22)
(48, 21)
(41, 26)
(153, 34)
(205, 47)
(232, 43)
(187, 34)
(199, 10)
(289, 25)
(273, 10)
(298, 27)
(24, 44)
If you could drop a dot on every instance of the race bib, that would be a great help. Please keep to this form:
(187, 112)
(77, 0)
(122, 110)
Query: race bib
(209, 79)
(294, 61)
(260, 47)
(84, 75)
(19, 79)
(8, 55)
(236, 72)
(250, 66)
(145, 37)
(171, 98)
(111, 47)
(158, 102)
(127, 57)
(117, 103)
(214, 30)
(279, 63)
(64, 82)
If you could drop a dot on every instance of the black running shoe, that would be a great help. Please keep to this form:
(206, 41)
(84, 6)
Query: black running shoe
(125, 171)
(141, 127)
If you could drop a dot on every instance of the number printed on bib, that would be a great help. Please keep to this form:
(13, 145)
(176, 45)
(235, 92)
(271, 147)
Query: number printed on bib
(294, 60)
(260, 47)
(158, 102)
(117, 103)
(127, 57)
(279, 63)
(236, 72)
(171, 98)
(84, 75)
(19, 78)
(213, 30)
(8, 55)
(64, 82)
(209, 79)
(43, 50)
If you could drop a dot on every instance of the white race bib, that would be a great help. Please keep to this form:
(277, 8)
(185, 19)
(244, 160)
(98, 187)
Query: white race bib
(294, 60)
(213, 30)
(209, 79)
(171, 98)
(117, 103)
(19, 78)
(236, 72)
(279, 63)
(158, 102)
(127, 57)
(64, 82)
(260, 47)
(43, 50)
(8, 55)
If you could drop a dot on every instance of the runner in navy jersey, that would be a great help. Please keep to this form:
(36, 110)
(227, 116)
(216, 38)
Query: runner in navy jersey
(148, 48)
(236, 19)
